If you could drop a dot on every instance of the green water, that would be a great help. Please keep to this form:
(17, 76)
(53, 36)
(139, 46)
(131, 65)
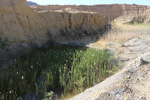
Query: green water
(54, 72)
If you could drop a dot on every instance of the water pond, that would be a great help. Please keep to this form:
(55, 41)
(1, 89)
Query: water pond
(56, 72)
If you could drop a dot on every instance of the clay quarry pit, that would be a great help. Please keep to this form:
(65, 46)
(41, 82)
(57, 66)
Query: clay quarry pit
(69, 52)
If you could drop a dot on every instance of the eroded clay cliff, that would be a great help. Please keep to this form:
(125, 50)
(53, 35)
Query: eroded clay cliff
(111, 11)
(20, 24)
(73, 25)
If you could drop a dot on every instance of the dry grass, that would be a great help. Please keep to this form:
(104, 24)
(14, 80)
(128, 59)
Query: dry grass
(122, 32)
(110, 36)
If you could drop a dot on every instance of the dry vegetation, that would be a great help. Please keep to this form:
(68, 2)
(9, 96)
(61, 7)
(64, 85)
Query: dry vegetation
(123, 32)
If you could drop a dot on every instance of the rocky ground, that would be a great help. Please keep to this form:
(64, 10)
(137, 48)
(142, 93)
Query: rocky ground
(130, 83)
(126, 51)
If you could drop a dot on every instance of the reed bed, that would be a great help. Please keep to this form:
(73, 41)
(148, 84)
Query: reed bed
(55, 70)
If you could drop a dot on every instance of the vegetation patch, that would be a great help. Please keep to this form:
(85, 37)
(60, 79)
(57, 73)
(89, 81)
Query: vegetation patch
(136, 23)
(55, 70)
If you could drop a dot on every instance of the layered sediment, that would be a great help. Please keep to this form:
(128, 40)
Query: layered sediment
(20, 24)
(111, 11)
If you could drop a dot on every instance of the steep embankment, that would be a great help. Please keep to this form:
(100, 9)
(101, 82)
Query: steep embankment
(20, 27)
(73, 25)
(20, 24)
(111, 11)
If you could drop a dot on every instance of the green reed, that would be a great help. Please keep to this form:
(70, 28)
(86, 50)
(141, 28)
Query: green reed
(62, 70)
